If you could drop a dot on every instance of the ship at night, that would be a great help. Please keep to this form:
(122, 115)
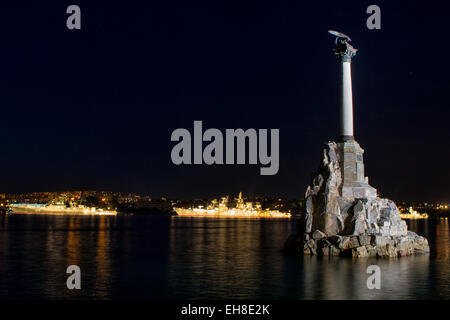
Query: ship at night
(55, 209)
(413, 214)
(222, 208)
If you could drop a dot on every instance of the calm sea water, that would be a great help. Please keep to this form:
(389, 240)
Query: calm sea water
(161, 257)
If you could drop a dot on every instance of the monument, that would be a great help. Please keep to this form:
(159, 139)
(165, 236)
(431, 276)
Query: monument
(344, 215)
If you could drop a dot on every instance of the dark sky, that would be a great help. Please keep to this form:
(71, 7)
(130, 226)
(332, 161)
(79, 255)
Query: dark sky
(95, 108)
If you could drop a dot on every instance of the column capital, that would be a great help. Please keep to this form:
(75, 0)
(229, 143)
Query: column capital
(344, 50)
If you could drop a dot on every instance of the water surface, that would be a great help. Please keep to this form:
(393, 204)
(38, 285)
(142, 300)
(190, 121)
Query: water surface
(162, 257)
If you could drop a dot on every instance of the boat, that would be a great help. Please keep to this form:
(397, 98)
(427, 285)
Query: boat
(413, 214)
(222, 209)
(56, 209)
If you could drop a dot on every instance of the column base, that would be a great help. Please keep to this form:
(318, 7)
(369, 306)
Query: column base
(358, 190)
(346, 138)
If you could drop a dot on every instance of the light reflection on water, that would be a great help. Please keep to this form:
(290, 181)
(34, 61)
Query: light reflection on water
(160, 257)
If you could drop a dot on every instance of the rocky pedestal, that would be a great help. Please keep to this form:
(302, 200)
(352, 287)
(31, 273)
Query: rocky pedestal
(344, 216)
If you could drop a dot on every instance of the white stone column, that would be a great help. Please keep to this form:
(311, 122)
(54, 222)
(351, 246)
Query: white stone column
(346, 114)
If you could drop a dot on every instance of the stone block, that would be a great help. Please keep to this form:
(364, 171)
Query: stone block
(324, 243)
(391, 251)
(382, 252)
(364, 240)
(309, 223)
(345, 243)
(325, 251)
(318, 235)
(334, 251)
(421, 245)
(312, 245)
(371, 251)
(354, 242)
(360, 252)
(380, 241)
(334, 239)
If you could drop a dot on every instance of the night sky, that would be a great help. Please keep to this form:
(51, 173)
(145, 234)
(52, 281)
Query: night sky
(95, 108)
